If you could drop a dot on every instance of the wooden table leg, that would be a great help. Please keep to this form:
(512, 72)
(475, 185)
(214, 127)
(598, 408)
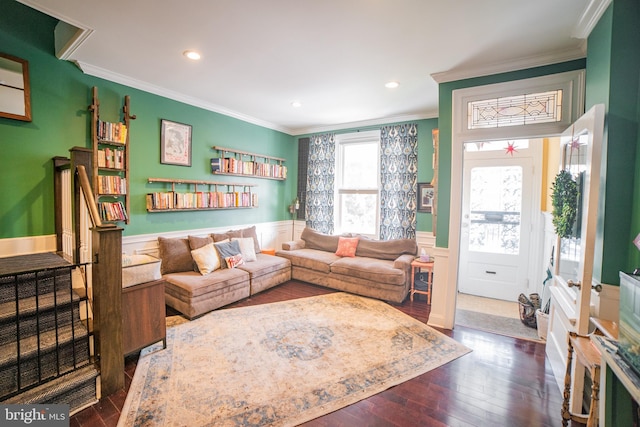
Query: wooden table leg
(413, 280)
(566, 415)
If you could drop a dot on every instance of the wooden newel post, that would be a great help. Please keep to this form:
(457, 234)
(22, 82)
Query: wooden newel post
(107, 306)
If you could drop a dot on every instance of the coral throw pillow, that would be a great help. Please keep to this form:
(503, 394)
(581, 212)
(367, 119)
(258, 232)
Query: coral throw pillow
(347, 246)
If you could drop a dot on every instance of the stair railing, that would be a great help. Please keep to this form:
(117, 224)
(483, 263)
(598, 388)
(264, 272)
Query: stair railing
(107, 291)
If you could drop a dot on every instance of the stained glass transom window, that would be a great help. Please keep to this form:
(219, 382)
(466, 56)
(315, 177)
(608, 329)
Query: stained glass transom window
(544, 107)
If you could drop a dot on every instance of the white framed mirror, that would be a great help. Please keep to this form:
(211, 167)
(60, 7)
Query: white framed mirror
(15, 93)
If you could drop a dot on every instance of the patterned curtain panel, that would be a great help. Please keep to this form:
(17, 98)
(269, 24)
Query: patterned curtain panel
(320, 183)
(399, 178)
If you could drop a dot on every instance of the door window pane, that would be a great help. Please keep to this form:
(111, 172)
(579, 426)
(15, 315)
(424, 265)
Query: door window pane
(495, 206)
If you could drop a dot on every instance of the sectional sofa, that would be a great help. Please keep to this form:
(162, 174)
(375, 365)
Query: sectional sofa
(372, 268)
(195, 284)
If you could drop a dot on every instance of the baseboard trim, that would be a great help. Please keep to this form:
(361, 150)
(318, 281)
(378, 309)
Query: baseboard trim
(27, 245)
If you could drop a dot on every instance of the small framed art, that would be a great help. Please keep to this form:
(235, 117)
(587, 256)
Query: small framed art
(175, 143)
(425, 197)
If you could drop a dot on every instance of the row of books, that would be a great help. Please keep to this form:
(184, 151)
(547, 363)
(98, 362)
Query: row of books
(110, 158)
(112, 211)
(112, 184)
(201, 200)
(243, 167)
(112, 132)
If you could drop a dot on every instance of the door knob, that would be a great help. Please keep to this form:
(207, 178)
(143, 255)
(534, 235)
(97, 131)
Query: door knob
(571, 284)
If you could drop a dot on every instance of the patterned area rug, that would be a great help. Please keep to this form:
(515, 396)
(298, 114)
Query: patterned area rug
(281, 364)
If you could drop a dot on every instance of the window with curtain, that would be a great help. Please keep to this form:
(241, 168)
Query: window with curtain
(357, 206)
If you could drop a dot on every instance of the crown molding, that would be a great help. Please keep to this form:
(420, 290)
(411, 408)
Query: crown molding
(366, 123)
(592, 14)
(69, 34)
(160, 91)
(512, 65)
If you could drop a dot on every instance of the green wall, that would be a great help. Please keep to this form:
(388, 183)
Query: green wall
(445, 123)
(425, 153)
(60, 95)
(613, 71)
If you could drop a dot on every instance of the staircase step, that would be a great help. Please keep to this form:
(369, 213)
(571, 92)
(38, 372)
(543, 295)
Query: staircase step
(76, 389)
(25, 285)
(54, 359)
(51, 309)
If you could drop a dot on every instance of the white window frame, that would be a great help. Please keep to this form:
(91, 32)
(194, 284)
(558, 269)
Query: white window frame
(343, 140)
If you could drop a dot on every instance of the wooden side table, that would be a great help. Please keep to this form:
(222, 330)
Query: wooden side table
(143, 316)
(419, 265)
(590, 357)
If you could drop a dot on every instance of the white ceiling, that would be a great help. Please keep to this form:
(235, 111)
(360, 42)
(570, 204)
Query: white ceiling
(334, 56)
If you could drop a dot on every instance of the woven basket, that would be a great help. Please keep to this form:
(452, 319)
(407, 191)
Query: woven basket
(528, 307)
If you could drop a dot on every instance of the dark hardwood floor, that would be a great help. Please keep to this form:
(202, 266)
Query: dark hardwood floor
(502, 382)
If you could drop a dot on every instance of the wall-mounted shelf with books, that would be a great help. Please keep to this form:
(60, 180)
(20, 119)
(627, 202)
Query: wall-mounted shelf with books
(214, 196)
(110, 144)
(236, 162)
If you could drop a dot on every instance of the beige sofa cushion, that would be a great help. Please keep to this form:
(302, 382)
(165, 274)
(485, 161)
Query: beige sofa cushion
(314, 240)
(313, 259)
(375, 270)
(175, 255)
(191, 284)
(244, 232)
(265, 264)
(386, 249)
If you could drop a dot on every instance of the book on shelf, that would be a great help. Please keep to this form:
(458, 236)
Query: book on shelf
(200, 200)
(112, 211)
(112, 184)
(216, 164)
(111, 158)
(111, 132)
(232, 165)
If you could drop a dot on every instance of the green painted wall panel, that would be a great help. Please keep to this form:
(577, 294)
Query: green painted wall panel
(61, 94)
(613, 69)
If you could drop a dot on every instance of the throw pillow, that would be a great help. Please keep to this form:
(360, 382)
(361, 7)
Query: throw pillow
(234, 261)
(196, 242)
(228, 249)
(206, 259)
(247, 248)
(347, 246)
(175, 254)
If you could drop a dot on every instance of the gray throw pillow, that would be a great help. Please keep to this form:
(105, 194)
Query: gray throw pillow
(228, 249)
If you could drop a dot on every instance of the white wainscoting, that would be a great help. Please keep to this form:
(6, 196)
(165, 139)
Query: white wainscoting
(427, 241)
(270, 235)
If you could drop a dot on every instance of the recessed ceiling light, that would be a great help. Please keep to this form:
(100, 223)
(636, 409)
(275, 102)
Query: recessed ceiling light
(191, 54)
(392, 85)
(296, 104)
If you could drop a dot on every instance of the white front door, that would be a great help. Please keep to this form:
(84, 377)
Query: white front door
(581, 147)
(495, 237)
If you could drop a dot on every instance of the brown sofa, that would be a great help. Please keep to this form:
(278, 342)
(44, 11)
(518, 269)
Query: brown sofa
(379, 269)
(193, 294)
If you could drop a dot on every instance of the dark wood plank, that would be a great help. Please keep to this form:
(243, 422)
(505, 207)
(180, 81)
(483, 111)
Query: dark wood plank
(503, 382)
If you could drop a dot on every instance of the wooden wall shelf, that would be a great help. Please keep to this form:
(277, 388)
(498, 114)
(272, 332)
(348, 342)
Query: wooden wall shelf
(198, 200)
(248, 164)
(110, 146)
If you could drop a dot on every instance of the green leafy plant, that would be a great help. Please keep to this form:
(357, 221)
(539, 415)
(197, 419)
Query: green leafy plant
(564, 198)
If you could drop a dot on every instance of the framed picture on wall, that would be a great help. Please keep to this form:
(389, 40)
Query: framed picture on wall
(425, 197)
(175, 143)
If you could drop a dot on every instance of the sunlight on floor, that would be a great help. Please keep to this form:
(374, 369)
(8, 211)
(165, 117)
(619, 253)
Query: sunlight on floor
(488, 306)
